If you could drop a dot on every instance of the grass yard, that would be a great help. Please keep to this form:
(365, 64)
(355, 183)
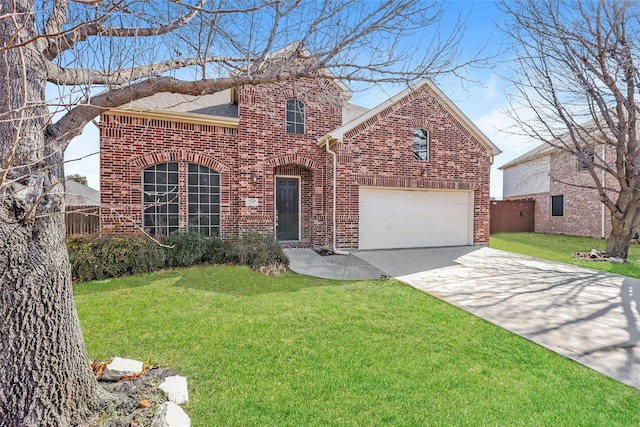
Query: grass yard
(557, 247)
(299, 351)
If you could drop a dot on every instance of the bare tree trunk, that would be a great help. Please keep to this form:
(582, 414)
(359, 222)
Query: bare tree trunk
(619, 238)
(45, 375)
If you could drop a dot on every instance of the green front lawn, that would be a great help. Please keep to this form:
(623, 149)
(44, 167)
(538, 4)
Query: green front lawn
(557, 247)
(298, 351)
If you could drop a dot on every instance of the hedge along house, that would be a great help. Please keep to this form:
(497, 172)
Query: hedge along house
(296, 160)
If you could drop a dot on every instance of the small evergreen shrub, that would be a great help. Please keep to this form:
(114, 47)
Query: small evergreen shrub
(124, 255)
(187, 249)
(82, 258)
(98, 258)
(113, 256)
(221, 252)
(260, 250)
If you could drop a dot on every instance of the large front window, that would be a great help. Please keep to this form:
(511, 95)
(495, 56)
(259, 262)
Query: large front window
(165, 188)
(203, 190)
(160, 196)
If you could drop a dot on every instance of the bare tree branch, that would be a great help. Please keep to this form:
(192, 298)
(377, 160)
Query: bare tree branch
(66, 40)
(78, 76)
(577, 72)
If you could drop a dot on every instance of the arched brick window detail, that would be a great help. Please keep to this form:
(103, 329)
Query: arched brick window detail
(295, 116)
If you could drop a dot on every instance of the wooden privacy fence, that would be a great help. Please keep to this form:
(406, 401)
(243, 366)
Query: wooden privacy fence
(512, 216)
(82, 220)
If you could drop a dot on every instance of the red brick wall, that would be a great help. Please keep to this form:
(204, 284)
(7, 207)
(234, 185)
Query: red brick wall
(249, 158)
(583, 211)
(129, 144)
(582, 208)
(266, 147)
(381, 155)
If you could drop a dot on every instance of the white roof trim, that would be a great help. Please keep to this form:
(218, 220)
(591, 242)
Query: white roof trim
(338, 134)
(538, 151)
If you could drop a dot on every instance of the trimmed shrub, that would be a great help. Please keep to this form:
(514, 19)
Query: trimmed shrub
(82, 258)
(113, 256)
(221, 252)
(187, 249)
(260, 250)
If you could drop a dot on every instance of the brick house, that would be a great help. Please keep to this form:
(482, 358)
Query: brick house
(556, 180)
(296, 160)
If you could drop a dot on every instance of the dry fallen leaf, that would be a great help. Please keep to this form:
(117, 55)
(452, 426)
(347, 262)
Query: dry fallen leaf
(98, 368)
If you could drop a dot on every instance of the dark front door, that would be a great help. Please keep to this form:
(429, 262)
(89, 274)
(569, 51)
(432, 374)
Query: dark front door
(287, 209)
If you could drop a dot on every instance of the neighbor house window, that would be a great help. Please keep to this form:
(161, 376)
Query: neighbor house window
(557, 205)
(160, 198)
(162, 187)
(295, 116)
(589, 156)
(421, 144)
(203, 197)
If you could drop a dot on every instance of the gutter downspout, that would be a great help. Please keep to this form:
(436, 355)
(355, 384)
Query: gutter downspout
(335, 183)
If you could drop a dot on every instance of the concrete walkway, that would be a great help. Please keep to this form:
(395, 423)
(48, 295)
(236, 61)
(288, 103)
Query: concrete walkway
(310, 263)
(585, 315)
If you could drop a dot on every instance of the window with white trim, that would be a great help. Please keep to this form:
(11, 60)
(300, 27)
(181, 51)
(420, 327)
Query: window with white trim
(295, 116)
(420, 144)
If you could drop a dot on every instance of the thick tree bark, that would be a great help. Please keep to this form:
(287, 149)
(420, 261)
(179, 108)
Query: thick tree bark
(620, 237)
(45, 375)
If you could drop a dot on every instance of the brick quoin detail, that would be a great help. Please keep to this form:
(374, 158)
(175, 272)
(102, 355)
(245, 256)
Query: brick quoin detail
(249, 157)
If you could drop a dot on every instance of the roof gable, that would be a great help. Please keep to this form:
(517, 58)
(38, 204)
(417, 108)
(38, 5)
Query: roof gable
(364, 120)
(302, 53)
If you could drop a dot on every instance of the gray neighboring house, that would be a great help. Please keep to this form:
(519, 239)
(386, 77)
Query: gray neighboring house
(82, 215)
(76, 194)
(556, 179)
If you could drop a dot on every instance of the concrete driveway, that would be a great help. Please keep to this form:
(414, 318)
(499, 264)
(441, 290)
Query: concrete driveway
(585, 315)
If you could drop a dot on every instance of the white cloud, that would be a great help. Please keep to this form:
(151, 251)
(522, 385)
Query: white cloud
(82, 156)
(502, 131)
(491, 91)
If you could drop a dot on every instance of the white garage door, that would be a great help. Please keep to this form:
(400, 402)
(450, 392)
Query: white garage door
(391, 218)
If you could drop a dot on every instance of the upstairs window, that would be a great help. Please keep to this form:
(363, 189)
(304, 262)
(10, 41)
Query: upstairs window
(589, 156)
(295, 116)
(421, 144)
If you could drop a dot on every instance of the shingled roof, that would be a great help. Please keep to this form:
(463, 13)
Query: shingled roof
(216, 104)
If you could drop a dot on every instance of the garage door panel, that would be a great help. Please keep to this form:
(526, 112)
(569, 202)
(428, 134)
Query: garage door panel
(405, 218)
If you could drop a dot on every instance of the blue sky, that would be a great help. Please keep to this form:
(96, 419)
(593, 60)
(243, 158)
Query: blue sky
(483, 97)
